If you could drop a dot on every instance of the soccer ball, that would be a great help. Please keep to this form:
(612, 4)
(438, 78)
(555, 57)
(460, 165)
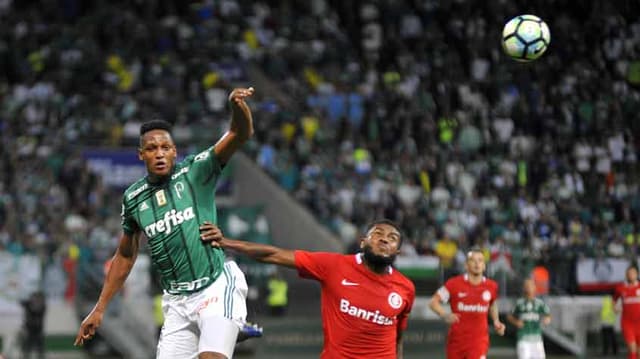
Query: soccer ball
(525, 38)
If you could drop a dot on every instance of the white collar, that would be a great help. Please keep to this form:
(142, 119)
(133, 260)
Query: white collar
(466, 277)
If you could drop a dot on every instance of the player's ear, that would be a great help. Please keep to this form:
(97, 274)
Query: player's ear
(140, 155)
(362, 239)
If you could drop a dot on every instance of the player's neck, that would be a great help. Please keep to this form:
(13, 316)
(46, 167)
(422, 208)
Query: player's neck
(474, 279)
(635, 282)
(530, 297)
(377, 269)
(157, 179)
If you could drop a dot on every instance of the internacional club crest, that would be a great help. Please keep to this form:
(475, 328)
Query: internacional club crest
(486, 296)
(395, 300)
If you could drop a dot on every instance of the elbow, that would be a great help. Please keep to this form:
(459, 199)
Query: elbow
(433, 304)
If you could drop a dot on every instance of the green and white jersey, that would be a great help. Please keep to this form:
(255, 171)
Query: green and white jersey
(531, 312)
(170, 214)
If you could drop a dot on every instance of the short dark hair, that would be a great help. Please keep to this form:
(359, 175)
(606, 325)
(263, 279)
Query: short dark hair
(155, 125)
(388, 222)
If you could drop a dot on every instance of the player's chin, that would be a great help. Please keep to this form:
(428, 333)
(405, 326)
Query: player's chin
(160, 172)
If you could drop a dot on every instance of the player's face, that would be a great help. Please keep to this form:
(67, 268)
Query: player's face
(529, 288)
(475, 263)
(383, 239)
(632, 275)
(158, 152)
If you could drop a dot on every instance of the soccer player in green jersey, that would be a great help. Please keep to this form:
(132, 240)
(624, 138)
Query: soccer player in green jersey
(527, 315)
(204, 301)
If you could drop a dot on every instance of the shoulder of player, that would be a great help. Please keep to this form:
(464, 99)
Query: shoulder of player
(454, 281)
(327, 256)
(135, 189)
(539, 301)
(207, 153)
(403, 280)
(491, 283)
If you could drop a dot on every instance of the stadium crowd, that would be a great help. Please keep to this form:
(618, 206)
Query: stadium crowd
(400, 109)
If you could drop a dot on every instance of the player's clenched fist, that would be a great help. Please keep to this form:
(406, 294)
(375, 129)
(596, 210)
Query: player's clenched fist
(238, 95)
(499, 327)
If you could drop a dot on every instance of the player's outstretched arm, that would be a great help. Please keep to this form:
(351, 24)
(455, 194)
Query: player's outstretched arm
(241, 127)
(435, 304)
(121, 265)
(261, 252)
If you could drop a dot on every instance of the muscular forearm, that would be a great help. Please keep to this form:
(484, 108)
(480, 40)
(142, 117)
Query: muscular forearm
(436, 307)
(260, 252)
(494, 313)
(241, 122)
(115, 278)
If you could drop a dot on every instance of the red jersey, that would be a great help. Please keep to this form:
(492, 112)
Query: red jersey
(361, 310)
(471, 303)
(630, 295)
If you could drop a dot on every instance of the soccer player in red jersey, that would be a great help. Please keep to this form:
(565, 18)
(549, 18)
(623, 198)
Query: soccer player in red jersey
(629, 294)
(471, 297)
(365, 301)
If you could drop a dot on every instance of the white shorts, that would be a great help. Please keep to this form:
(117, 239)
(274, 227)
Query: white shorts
(205, 321)
(530, 349)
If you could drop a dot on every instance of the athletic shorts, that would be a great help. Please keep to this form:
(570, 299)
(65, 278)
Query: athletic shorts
(630, 331)
(530, 349)
(467, 350)
(205, 321)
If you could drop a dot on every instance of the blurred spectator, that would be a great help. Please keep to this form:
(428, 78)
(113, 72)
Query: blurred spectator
(35, 308)
(608, 320)
(277, 297)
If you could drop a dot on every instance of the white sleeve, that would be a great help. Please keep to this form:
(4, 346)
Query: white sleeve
(443, 292)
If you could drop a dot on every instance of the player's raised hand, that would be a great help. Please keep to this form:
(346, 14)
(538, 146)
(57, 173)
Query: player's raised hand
(210, 233)
(88, 327)
(451, 318)
(499, 327)
(238, 95)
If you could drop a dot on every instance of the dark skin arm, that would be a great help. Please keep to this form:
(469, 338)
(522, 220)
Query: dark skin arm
(260, 252)
(121, 265)
(399, 345)
(240, 129)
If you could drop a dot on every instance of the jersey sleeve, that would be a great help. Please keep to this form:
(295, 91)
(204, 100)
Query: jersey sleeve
(314, 265)
(516, 309)
(204, 167)
(403, 318)
(616, 294)
(445, 291)
(129, 225)
(545, 309)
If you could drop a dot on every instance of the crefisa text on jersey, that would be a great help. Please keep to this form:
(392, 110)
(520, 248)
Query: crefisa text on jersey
(171, 219)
